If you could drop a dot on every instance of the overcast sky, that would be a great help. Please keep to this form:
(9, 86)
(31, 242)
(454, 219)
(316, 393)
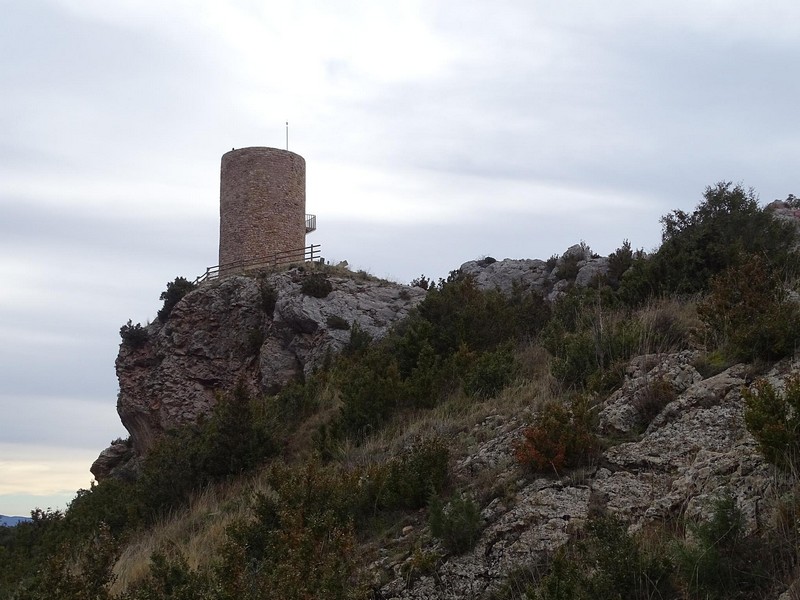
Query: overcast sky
(434, 132)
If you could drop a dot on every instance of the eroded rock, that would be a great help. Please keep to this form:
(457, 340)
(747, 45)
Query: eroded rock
(224, 334)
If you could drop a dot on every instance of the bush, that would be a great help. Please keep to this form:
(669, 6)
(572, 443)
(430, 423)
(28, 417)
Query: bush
(172, 295)
(721, 562)
(774, 421)
(133, 336)
(726, 226)
(491, 372)
(749, 314)
(409, 479)
(337, 322)
(608, 563)
(560, 438)
(457, 525)
(359, 341)
(269, 297)
(587, 339)
(421, 282)
(619, 261)
(316, 285)
(652, 399)
(170, 578)
(370, 389)
(230, 442)
(302, 540)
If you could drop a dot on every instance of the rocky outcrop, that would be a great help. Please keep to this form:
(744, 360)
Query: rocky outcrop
(695, 449)
(550, 278)
(786, 210)
(258, 332)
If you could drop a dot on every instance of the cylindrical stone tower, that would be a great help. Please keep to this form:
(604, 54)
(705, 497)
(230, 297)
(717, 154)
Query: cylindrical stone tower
(262, 207)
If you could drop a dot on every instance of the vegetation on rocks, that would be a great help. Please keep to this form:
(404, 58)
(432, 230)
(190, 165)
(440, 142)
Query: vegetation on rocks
(172, 295)
(362, 478)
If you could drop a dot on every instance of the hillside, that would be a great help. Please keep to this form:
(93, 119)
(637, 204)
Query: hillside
(576, 427)
(12, 521)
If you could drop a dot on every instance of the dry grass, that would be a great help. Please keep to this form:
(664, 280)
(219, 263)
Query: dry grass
(669, 324)
(196, 534)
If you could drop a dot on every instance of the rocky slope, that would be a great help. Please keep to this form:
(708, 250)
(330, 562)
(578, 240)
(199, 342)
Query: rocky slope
(665, 461)
(265, 332)
(695, 449)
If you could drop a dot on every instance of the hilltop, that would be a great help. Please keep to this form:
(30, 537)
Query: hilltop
(572, 427)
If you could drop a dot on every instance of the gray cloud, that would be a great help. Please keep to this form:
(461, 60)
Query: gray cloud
(433, 134)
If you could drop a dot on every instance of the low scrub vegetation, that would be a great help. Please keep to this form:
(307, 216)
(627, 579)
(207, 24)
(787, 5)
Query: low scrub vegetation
(774, 420)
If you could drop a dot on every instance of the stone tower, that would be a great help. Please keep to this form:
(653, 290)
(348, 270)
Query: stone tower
(262, 208)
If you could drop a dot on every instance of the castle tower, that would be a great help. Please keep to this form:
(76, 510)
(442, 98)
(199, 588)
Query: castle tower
(262, 208)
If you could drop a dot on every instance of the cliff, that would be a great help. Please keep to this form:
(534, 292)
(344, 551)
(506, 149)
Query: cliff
(261, 333)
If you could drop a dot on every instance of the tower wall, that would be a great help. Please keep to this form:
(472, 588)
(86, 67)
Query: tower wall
(262, 206)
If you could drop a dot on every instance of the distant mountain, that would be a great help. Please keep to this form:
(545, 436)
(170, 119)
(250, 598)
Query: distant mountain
(12, 521)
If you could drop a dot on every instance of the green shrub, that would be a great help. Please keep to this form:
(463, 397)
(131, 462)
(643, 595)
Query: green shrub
(568, 267)
(171, 578)
(269, 298)
(560, 437)
(720, 562)
(639, 283)
(76, 571)
(490, 373)
(749, 314)
(607, 564)
(301, 542)
(316, 285)
(371, 389)
(457, 525)
(725, 226)
(184, 460)
(422, 282)
(337, 322)
(172, 295)
(133, 336)
(409, 479)
(774, 421)
(619, 261)
(587, 338)
(359, 341)
(457, 313)
(426, 382)
(111, 502)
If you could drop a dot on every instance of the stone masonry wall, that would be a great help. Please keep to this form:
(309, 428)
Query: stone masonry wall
(262, 205)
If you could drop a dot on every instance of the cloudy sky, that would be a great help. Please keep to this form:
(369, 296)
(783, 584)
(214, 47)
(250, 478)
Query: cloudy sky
(434, 132)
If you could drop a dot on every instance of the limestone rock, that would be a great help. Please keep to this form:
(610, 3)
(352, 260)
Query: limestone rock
(529, 275)
(221, 334)
(112, 460)
(694, 451)
(533, 275)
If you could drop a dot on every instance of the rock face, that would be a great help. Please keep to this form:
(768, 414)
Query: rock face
(692, 451)
(227, 332)
(549, 278)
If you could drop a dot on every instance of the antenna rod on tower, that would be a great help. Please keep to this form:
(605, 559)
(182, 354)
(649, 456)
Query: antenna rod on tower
(287, 135)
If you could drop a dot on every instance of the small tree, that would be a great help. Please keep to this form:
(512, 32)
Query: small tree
(774, 420)
(171, 296)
